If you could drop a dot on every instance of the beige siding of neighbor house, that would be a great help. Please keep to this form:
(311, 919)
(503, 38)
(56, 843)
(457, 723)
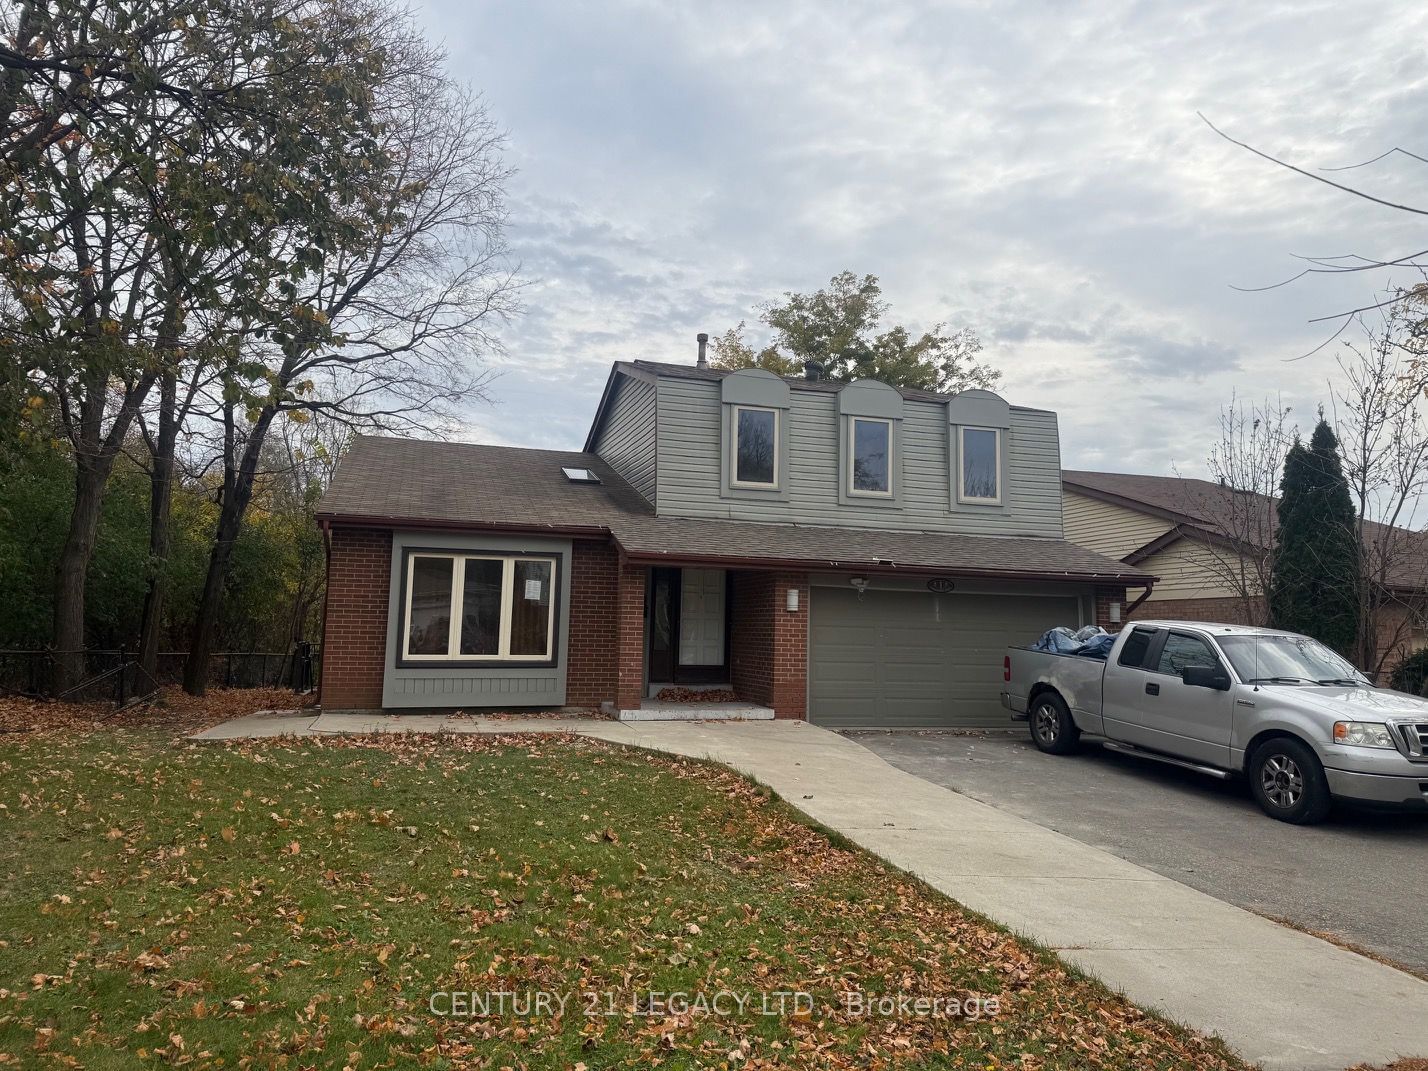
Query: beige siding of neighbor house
(1105, 528)
(1189, 570)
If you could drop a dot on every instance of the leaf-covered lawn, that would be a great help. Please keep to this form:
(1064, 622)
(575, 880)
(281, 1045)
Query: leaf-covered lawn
(297, 904)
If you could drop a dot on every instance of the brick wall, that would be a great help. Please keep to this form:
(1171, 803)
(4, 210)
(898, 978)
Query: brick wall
(768, 654)
(354, 633)
(627, 625)
(1228, 611)
(592, 668)
(1106, 597)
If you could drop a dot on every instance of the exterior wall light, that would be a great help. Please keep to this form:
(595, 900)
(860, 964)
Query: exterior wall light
(860, 585)
(791, 600)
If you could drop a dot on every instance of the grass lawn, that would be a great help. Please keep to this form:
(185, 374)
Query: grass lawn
(297, 904)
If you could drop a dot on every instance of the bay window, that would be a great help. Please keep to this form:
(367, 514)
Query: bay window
(479, 607)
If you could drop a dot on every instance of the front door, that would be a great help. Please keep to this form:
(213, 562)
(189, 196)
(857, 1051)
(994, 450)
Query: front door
(687, 626)
(701, 617)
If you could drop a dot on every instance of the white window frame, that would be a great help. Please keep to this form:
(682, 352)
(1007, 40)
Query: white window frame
(734, 480)
(853, 422)
(457, 594)
(962, 495)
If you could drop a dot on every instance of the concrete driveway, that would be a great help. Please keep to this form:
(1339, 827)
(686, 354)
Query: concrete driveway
(1360, 876)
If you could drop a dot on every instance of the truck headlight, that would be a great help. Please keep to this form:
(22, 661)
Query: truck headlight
(1362, 734)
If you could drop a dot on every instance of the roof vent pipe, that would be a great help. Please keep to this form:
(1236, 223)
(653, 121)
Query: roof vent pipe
(812, 370)
(703, 339)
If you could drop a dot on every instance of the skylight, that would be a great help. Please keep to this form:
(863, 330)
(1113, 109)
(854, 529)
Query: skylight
(575, 475)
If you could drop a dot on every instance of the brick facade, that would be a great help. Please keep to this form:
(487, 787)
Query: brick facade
(628, 636)
(768, 656)
(354, 631)
(1105, 598)
(1226, 611)
(592, 668)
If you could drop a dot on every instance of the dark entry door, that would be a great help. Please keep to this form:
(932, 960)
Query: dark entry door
(664, 624)
(688, 638)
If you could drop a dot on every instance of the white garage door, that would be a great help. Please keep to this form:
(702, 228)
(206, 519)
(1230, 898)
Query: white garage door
(910, 659)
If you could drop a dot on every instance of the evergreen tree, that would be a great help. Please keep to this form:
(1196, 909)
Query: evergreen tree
(1317, 557)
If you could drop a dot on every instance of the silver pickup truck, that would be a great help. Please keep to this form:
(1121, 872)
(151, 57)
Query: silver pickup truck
(1299, 722)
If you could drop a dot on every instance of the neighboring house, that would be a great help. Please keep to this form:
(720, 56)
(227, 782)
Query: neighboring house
(850, 553)
(1209, 544)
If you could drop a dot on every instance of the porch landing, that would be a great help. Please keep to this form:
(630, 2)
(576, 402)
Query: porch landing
(662, 710)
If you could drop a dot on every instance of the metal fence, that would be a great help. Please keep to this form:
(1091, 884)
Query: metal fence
(116, 675)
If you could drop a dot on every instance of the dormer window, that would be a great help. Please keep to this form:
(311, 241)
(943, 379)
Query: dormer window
(870, 450)
(979, 476)
(756, 447)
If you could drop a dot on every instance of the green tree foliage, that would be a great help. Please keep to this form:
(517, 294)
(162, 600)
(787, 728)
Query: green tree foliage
(838, 327)
(1411, 675)
(275, 592)
(1317, 558)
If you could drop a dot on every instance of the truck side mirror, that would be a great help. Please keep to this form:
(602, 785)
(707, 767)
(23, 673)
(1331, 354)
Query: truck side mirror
(1206, 677)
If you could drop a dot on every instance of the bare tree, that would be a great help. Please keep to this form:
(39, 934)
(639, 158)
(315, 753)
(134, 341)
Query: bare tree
(1245, 464)
(132, 134)
(1383, 437)
(1356, 263)
(398, 317)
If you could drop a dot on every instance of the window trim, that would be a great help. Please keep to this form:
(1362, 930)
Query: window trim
(407, 660)
(1151, 644)
(1166, 634)
(851, 439)
(752, 485)
(962, 496)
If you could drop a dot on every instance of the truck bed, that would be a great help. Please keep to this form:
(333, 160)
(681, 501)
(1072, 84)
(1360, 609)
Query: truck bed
(1077, 678)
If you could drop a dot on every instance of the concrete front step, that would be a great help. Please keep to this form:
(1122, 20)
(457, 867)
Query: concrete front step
(654, 710)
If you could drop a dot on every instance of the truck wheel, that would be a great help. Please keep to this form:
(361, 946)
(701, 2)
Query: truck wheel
(1053, 730)
(1288, 782)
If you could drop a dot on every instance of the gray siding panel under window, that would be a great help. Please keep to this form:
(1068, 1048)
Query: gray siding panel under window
(690, 441)
(627, 441)
(912, 659)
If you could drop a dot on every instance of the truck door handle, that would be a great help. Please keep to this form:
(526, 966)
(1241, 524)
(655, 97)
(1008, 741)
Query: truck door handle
(1151, 688)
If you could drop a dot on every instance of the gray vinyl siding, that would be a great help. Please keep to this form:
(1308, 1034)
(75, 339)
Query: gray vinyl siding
(627, 441)
(689, 474)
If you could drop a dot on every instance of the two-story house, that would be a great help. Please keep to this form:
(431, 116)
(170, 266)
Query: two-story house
(852, 553)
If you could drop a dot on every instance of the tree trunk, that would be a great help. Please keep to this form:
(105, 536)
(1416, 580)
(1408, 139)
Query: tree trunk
(90, 476)
(237, 493)
(160, 500)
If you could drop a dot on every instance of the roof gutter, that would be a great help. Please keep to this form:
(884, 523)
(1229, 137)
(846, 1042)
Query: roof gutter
(730, 561)
(884, 567)
(359, 520)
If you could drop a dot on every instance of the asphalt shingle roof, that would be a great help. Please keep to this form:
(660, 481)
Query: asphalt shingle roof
(411, 482)
(1220, 510)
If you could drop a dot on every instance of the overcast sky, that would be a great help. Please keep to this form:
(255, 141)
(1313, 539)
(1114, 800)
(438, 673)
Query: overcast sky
(1035, 171)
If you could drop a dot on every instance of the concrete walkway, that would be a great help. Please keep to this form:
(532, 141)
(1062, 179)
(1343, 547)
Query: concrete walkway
(1279, 997)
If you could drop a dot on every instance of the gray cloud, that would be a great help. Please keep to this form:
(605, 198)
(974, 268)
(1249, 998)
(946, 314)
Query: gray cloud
(1033, 170)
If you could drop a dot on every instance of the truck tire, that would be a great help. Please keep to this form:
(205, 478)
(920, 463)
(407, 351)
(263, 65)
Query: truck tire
(1053, 730)
(1288, 782)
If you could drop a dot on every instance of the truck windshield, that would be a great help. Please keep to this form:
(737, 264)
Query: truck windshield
(1287, 660)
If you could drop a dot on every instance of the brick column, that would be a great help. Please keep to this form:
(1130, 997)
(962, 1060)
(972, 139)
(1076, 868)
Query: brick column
(790, 647)
(630, 635)
(769, 654)
(354, 633)
(1105, 596)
